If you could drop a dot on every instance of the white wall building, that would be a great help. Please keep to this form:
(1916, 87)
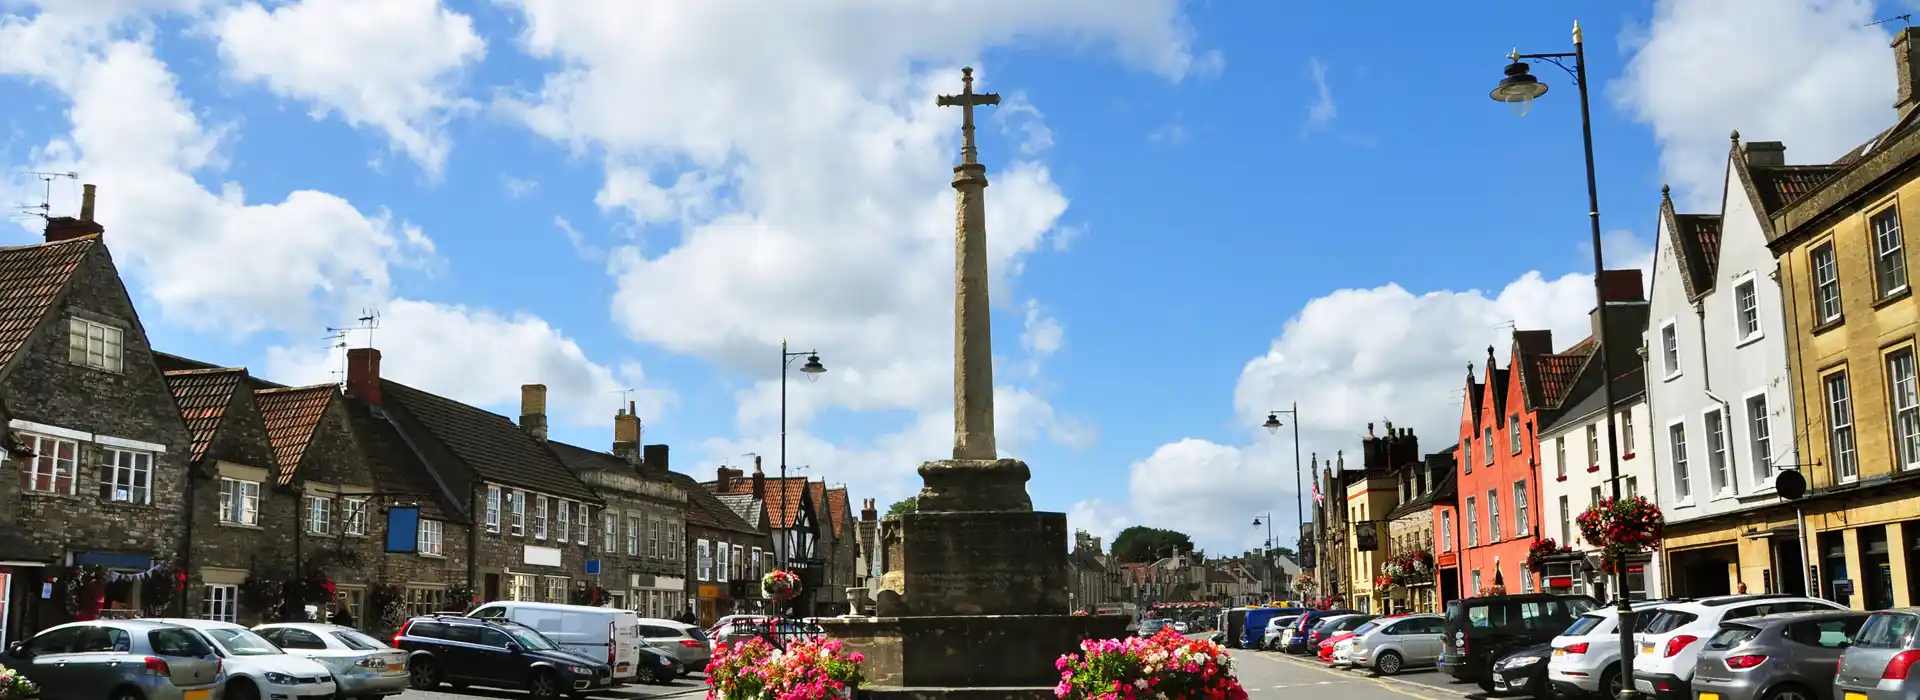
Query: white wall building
(1717, 379)
(1574, 475)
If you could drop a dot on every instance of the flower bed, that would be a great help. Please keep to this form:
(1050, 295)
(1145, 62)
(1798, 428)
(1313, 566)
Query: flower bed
(1166, 665)
(1620, 527)
(806, 670)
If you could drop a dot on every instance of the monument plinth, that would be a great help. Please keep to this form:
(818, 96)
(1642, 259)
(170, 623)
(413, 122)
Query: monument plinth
(973, 604)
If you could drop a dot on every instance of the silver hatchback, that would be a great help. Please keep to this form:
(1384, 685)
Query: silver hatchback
(1398, 643)
(1787, 656)
(1879, 665)
(119, 660)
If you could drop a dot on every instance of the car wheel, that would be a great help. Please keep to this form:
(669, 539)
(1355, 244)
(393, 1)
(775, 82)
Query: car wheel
(242, 689)
(126, 694)
(1789, 692)
(1388, 664)
(648, 675)
(1610, 682)
(1486, 682)
(421, 675)
(543, 685)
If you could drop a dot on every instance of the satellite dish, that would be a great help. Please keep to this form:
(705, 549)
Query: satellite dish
(1790, 484)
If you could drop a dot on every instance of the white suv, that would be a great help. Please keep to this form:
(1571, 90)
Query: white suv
(1671, 642)
(1586, 657)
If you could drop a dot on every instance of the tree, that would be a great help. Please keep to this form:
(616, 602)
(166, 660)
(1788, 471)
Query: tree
(905, 505)
(1141, 543)
(1286, 552)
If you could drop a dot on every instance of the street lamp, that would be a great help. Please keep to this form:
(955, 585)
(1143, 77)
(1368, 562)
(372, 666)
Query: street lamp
(1519, 88)
(1269, 550)
(813, 369)
(1273, 427)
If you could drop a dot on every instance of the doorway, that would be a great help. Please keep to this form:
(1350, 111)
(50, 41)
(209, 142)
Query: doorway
(1700, 573)
(1876, 566)
(1450, 585)
(1788, 574)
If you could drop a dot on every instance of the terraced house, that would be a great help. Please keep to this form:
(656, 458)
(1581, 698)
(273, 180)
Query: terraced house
(799, 528)
(726, 556)
(98, 454)
(1850, 325)
(640, 557)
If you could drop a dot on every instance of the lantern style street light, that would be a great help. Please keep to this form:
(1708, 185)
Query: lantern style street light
(813, 369)
(1273, 425)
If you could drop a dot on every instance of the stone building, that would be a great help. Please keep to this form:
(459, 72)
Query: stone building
(726, 556)
(641, 562)
(799, 527)
(843, 554)
(1371, 495)
(337, 468)
(1330, 524)
(91, 430)
(869, 564)
(1093, 581)
(1410, 525)
(533, 518)
(1845, 273)
(753, 512)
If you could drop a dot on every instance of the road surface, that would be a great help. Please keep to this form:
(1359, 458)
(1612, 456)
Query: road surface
(1270, 675)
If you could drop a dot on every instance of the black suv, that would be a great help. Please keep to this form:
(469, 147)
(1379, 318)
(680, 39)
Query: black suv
(1480, 631)
(465, 651)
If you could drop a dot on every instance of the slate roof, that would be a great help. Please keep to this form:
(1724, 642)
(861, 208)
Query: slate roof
(291, 416)
(396, 469)
(494, 447)
(32, 279)
(743, 505)
(202, 396)
(580, 458)
(704, 508)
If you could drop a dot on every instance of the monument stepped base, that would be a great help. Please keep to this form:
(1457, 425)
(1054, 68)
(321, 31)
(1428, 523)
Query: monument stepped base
(870, 693)
(961, 656)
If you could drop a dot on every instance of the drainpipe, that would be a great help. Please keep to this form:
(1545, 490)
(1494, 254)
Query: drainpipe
(474, 526)
(299, 571)
(1646, 395)
(186, 545)
(1726, 409)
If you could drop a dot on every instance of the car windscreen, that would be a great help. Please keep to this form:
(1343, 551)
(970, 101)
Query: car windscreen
(1582, 625)
(1364, 629)
(358, 642)
(1731, 636)
(240, 641)
(529, 638)
(1669, 620)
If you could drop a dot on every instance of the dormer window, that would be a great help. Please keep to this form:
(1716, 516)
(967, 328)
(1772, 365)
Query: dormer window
(94, 345)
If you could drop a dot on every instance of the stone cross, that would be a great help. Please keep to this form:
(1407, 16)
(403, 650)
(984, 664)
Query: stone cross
(966, 101)
(972, 329)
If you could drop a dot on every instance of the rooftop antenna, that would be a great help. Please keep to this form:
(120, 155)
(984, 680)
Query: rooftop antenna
(337, 337)
(337, 340)
(625, 396)
(44, 209)
(1904, 18)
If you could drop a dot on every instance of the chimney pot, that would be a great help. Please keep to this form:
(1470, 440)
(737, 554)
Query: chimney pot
(86, 202)
(66, 228)
(533, 410)
(626, 435)
(1764, 154)
(363, 374)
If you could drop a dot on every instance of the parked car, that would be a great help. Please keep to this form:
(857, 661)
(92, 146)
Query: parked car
(1586, 656)
(1294, 639)
(1343, 653)
(1330, 626)
(467, 651)
(1789, 656)
(363, 667)
(1523, 672)
(1394, 644)
(609, 634)
(257, 669)
(1481, 631)
(1879, 664)
(1670, 645)
(1181, 626)
(1328, 643)
(119, 660)
(1275, 636)
(686, 642)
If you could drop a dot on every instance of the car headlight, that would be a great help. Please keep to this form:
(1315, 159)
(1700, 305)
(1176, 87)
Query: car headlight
(281, 679)
(1519, 661)
(666, 661)
(580, 670)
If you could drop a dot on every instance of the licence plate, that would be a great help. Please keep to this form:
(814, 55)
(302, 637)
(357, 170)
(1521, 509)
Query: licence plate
(1708, 696)
(1855, 696)
(624, 666)
(204, 694)
(1647, 686)
(1557, 653)
(1646, 647)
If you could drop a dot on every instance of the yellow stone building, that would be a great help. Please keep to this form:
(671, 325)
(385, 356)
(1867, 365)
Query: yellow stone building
(1846, 277)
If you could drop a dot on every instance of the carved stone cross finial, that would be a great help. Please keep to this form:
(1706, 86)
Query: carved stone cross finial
(966, 101)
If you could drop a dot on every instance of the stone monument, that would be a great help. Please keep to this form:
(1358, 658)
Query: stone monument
(973, 603)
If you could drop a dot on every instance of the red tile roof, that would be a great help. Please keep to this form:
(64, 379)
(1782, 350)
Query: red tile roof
(202, 396)
(291, 416)
(32, 278)
(837, 503)
(784, 510)
(818, 489)
(1782, 185)
(1557, 373)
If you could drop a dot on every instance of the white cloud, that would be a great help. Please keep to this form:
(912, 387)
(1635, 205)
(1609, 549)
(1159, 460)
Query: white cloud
(1040, 337)
(517, 188)
(444, 348)
(391, 65)
(810, 178)
(1322, 110)
(1809, 73)
(1405, 364)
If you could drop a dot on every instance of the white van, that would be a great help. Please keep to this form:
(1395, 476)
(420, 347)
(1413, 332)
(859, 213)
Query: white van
(596, 633)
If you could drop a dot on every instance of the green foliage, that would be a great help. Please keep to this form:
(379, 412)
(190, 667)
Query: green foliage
(1141, 543)
(906, 505)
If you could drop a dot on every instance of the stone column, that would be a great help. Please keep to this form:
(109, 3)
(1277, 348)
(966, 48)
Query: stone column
(972, 327)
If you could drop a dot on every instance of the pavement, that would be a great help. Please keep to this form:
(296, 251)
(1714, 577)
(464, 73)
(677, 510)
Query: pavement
(1269, 674)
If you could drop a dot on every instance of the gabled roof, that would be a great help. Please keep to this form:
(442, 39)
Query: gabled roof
(1553, 374)
(837, 502)
(202, 397)
(822, 509)
(579, 458)
(394, 466)
(704, 508)
(744, 505)
(32, 280)
(784, 497)
(492, 446)
(292, 416)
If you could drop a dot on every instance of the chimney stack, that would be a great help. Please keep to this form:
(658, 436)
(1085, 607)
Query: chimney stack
(533, 410)
(655, 456)
(1764, 154)
(759, 480)
(1906, 63)
(363, 375)
(626, 434)
(723, 479)
(868, 513)
(66, 228)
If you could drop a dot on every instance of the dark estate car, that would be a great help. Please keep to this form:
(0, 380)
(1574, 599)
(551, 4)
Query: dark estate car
(1297, 642)
(465, 651)
(1481, 631)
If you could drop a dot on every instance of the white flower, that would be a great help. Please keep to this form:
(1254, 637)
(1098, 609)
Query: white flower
(1141, 684)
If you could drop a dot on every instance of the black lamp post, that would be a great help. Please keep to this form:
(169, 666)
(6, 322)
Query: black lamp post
(1273, 426)
(813, 369)
(1519, 89)
(1269, 550)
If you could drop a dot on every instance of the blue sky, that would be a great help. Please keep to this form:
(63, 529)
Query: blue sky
(1200, 211)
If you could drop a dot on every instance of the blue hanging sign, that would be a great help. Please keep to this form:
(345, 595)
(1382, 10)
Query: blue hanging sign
(403, 530)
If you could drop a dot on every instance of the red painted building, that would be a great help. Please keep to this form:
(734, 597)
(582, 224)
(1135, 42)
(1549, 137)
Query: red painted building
(1496, 512)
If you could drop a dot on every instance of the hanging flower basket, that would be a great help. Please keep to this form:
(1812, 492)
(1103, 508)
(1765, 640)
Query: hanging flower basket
(1166, 665)
(388, 603)
(592, 595)
(1408, 568)
(1621, 527)
(1383, 583)
(14, 686)
(780, 584)
(807, 669)
(86, 590)
(461, 598)
(1304, 582)
(1542, 549)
